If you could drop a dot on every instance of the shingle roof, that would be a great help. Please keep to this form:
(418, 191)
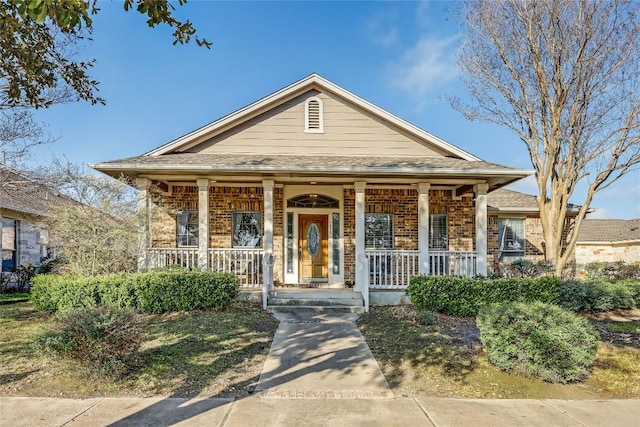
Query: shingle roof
(503, 198)
(230, 162)
(609, 230)
(22, 194)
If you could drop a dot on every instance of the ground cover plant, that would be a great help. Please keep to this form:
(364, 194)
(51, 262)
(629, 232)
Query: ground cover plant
(446, 359)
(182, 354)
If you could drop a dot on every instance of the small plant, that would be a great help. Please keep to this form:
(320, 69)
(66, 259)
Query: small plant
(426, 318)
(104, 338)
(612, 270)
(538, 340)
(23, 275)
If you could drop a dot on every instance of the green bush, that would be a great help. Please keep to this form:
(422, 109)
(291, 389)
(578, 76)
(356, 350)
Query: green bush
(600, 295)
(538, 340)
(426, 318)
(104, 338)
(612, 270)
(460, 296)
(152, 292)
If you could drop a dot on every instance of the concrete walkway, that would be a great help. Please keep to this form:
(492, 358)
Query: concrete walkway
(256, 411)
(318, 356)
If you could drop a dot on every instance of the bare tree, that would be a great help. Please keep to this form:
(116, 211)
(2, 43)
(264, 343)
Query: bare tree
(564, 76)
(19, 133)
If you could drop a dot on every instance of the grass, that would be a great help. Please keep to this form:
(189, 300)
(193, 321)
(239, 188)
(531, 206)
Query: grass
(445, 359)
(632, 327)
(200, 353)
(13, 297)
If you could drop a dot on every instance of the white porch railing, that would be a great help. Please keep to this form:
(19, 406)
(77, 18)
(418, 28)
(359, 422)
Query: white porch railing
(166, 257)
(244, 263)
(392, 269)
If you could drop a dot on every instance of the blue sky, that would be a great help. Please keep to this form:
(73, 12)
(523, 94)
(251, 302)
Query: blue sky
(398, 55)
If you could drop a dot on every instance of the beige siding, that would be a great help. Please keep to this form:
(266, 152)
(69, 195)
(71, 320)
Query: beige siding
(347, 131)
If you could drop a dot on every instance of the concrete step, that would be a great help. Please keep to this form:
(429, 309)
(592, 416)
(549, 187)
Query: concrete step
(311, 309)
(316, 293)
(316, 301)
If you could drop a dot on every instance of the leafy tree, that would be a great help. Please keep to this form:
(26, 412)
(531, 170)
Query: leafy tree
(564, 76)
(37, 38)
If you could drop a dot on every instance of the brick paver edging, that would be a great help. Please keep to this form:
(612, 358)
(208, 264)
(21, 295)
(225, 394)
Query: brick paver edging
(326, 394)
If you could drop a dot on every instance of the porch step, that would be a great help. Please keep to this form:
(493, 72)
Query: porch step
(316, 301)
(311, 309)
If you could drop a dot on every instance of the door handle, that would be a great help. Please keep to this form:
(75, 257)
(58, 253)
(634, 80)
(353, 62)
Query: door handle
(299, 253)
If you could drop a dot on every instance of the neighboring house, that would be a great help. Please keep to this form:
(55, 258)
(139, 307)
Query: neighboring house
(313, 184)
(24, 204)
(608, 240)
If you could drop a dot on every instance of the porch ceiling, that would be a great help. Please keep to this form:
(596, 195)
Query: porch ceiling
(249, 168)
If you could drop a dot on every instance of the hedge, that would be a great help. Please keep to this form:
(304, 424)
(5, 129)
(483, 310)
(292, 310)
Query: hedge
(600, 295)
(152, 292)
(459, 296)
(538, 340)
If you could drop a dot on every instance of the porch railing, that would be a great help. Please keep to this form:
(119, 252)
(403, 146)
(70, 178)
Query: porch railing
(244, 263)
(167, 257)
(392, 269)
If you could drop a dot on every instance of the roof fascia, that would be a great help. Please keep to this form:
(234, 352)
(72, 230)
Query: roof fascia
(288, 92)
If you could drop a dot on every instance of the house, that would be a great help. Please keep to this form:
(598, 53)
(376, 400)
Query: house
(24, 205)
(608, 240)
(315, 185)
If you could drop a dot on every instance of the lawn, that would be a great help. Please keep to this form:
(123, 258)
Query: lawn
(200, 353)
(446, 359)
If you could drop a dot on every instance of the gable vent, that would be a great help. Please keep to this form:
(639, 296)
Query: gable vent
(313, 120)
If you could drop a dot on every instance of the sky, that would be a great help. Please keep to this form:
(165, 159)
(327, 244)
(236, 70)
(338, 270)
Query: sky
(400, 56)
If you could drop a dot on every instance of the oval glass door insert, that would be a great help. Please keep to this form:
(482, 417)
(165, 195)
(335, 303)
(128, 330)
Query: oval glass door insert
(313, 240)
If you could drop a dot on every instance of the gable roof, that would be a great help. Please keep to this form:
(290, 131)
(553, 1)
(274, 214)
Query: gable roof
(312, 81)
(609, 230)
(22, 194)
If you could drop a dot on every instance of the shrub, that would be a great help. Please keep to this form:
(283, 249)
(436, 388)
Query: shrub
(460, 296)
(600, 295)
(153, 292)
(612, 270)
(426, 318)
(103, 338)
(538, 340)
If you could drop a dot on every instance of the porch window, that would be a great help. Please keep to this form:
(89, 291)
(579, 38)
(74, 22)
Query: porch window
(378, 231)
(438, 232)
(247, 229)
(511, 238)
(335, 227)
(9, 247)
(289, 242)
(187, 233)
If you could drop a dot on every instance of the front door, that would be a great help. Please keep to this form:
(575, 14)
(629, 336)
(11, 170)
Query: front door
(313, 255)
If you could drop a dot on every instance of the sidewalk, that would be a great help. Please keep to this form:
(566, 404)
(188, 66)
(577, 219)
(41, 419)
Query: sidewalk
(258, 411)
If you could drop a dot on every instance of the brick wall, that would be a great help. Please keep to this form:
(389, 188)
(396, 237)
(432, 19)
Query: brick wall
(403, 204)
(223, 201)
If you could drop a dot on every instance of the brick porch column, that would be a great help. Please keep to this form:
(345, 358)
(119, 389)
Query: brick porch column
(143, 184)
(481, 228)
(423, 227)
(267, 270)
(203, 223)
(361, 273)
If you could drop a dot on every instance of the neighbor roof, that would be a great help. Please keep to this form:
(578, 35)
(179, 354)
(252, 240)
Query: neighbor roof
(509, 201)
(609, 230)
(19, 193)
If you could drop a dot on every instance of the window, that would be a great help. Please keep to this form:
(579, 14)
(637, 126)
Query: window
(247, 229)
(511, 238)
(187, 234)
(335, 227)
(378, 231)
(313, 117)
(9, 247)
(438, 232)
(313, 201)
(289, 242)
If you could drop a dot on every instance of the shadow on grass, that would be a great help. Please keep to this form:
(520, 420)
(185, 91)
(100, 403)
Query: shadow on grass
(395, 341)
(13, 377)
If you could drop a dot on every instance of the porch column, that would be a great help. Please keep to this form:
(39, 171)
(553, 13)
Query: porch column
(267, 270)
(143, 184)
(423, 227)
(361, 273)
(481, 228)
(203, 223)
